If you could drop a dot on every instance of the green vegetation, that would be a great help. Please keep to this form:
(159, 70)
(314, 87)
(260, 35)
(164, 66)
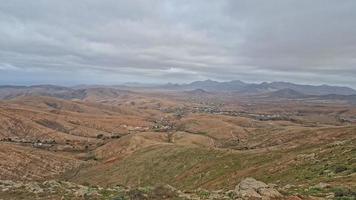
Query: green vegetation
(190, 168)
(344, 194)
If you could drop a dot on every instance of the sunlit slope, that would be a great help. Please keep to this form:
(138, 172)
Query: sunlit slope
(329, 160)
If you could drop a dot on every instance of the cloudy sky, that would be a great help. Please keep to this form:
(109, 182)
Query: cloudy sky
(72, 42)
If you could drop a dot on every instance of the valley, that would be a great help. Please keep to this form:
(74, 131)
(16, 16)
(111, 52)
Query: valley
(189, 142)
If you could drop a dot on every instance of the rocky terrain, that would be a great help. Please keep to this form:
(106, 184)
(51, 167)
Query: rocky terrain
(248, 188)
(163, 143)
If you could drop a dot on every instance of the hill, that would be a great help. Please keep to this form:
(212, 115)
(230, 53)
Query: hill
(194, 141)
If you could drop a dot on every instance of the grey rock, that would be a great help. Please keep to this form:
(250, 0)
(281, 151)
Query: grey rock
(250, 188)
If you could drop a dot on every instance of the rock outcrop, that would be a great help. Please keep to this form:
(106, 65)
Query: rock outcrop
(251, 189)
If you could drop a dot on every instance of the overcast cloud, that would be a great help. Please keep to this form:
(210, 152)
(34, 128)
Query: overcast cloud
(114, 41)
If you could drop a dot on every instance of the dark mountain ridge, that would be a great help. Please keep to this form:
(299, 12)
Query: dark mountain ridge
(277, 89)
(265, 87)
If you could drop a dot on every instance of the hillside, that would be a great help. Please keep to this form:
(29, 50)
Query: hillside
(196, 142)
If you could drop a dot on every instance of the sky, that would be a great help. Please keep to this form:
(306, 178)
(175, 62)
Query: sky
(70, 42)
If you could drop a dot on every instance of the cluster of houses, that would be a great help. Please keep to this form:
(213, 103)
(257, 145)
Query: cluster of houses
(218, 111)
(163, 124)
(46, 143)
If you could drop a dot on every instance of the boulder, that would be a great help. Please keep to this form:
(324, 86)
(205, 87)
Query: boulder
(321, 185)
(34, 187)
(250, 188)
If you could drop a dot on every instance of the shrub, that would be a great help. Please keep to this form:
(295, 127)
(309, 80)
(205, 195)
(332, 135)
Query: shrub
(119, 198)
(340, 169)
(342, 192)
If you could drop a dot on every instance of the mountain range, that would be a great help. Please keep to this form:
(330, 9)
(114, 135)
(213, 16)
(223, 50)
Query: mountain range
(273, 89)
(253, 88)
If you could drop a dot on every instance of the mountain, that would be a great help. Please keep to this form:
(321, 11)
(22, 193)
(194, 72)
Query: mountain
(312, 89)
(293, 94)
(265, 87)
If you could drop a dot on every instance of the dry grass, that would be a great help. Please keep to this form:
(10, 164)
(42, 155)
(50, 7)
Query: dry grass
(108, 138)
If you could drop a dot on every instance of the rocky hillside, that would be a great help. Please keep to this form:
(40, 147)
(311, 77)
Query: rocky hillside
(247, 189)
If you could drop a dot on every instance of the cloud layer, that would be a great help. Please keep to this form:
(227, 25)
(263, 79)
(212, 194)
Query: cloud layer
(115, 41)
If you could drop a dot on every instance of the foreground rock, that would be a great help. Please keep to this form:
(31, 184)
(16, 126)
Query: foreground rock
(250, 188)
(247, 189)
